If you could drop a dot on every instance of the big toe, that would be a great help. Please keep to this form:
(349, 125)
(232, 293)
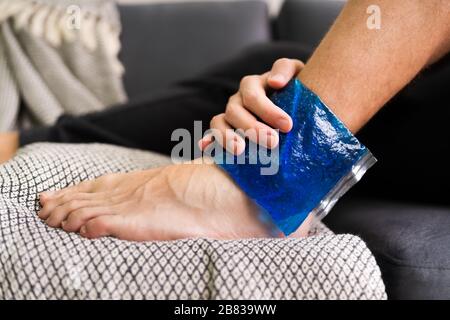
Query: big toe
(103, 226)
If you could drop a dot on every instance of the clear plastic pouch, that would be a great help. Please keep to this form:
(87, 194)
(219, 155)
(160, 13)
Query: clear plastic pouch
(317, 162)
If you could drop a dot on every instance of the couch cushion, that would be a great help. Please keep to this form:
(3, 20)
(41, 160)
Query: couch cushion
(307, 21)
(410, 243)
(409, 136)
(163, 43)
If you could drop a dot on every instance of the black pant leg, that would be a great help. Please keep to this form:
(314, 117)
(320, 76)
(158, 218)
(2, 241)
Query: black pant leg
(144, 125)
(148, 124)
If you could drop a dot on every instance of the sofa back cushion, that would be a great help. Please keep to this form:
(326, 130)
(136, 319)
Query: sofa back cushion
(306, 21)
(166, 42)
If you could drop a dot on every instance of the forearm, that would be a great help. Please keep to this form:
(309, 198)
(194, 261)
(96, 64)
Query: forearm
(356, 70)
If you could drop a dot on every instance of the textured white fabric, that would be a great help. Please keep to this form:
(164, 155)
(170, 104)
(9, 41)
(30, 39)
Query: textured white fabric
(9, 95)
(55, 66)
(39, 262)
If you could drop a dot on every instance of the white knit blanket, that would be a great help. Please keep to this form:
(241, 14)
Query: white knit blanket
(60, 57)
(39, 262)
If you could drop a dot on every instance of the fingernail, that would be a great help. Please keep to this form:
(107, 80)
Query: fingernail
(268, 138)
(208, 137)
(205, 141)
(283, 124)
(63, 224)
(200, 144)
(83, 230)
(236, 147)
(277, 78)
(272, 139)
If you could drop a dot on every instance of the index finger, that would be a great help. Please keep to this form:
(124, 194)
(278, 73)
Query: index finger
(283, 70)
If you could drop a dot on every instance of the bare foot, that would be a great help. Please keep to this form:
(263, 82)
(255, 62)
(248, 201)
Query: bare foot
(9, 143)
(173, 202)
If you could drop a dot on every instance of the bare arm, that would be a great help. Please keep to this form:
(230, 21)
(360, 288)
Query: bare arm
(355, 70)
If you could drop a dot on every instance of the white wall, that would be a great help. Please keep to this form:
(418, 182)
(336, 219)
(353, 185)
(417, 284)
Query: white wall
(274, 5)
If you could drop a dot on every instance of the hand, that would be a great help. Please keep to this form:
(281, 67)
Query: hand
(250, 103)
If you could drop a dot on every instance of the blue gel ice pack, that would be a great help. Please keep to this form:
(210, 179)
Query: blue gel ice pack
(317, 161)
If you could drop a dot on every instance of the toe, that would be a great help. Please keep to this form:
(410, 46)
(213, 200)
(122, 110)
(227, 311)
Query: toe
(55, 218)
(48, 206)
(79, 217)
(83, 187)
(46, 196)
(60, 213)
(51, 204)
(102, 226)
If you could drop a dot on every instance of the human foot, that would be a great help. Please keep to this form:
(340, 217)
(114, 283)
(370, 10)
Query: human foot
(9, 143)
(173, 202)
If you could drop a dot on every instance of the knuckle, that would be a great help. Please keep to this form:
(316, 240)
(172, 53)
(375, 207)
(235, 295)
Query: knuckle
(214, 120)
(283, 61)
(244, 81)
(250, 97)
(231, 111)
(247, 80)
(233, 98)
(72, 204)
(79, 213)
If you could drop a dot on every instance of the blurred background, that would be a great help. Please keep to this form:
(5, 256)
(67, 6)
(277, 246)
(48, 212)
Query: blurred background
(273, 5)
(400, 208)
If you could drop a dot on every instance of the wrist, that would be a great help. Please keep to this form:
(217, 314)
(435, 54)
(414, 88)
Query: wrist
(316, 163)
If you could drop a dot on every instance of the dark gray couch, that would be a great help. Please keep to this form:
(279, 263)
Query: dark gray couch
(402, 207)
